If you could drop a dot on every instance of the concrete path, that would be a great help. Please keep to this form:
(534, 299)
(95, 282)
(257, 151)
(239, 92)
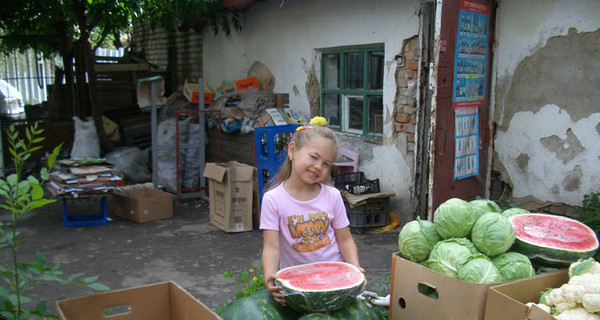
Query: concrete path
(186, 249)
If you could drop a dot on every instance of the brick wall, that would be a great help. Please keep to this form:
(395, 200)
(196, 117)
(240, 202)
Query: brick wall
(177, 54)
(406, 94)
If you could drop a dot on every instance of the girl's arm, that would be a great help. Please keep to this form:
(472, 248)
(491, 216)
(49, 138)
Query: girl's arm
(347, 246)
(270, 260)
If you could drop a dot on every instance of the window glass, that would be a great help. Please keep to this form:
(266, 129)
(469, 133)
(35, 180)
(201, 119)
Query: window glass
(376, 114)
(331, 66)
(376, 70)
(332, 110)
(354, 70)
(354, 113)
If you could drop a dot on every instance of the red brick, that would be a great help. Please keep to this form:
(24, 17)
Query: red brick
(403, 118)
(410, 137)
(412, 65)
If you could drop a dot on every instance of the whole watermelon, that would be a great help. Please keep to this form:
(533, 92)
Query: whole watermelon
(259, 306)
(356, 311)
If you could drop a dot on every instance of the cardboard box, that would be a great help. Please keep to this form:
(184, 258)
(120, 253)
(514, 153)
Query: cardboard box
(110, 128)
(143, 205)
(161, 301)
(507, 301)
(231, 188)
(191, 91)
(456, 299)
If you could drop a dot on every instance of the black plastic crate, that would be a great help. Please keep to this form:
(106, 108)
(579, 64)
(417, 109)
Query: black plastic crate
(374, 213)
(342, 179)
(355, 183)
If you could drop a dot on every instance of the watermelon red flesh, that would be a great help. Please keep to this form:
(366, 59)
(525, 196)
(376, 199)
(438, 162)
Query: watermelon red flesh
(551, 240)
(321, 286)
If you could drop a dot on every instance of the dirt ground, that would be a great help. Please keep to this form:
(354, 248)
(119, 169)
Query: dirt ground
(185, 249)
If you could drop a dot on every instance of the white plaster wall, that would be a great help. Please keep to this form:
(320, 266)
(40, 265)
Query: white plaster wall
(284, 36)
(523, 27)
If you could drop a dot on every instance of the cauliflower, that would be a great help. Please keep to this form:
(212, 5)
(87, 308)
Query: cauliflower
(581, 292)
(591, 302)
(539, 305)
(577, 314)
(586, 266)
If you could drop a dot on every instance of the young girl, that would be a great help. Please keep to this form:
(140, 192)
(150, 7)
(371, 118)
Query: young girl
(304, 220)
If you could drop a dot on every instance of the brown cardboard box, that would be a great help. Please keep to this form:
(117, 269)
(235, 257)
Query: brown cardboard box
(231, 196)
(143, 205)
(161, 301)
(457, 299)
(507, 301)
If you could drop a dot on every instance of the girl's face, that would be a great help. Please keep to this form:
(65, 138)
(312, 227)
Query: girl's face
(311, 162)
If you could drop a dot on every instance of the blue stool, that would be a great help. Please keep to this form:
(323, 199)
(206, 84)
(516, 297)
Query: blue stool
(87, 219)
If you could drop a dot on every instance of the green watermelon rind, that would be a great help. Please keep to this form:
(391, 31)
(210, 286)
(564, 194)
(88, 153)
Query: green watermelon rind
(310, 301)
(548, 256)
(259, 305)
(356, 311)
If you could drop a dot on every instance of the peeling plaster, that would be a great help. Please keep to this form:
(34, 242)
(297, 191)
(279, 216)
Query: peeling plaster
(565, 149)
(547, 157)
(564, 72)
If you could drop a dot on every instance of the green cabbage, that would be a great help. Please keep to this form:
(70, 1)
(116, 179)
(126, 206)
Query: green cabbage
(483, 206)
(454, 219)
(513, 265)
(479, 269)
(448, 255)
(514, 211)
(416, 239)
(493, 234)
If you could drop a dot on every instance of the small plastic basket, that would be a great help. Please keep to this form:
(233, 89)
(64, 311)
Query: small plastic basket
(342, 179)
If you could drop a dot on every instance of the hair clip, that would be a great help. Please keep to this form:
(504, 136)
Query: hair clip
(303, 128)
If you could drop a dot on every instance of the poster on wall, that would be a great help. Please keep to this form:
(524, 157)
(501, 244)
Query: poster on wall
(470, 60)
(466, 146)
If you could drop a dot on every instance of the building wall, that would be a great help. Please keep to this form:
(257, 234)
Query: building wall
(177, 55)
(547, 101)
(285, 37)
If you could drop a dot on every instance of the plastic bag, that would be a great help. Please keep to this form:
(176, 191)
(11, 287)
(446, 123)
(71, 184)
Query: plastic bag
(132, 162)
(86, 143)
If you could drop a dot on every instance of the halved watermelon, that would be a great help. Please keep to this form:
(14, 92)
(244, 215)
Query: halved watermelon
(320, 286)
(552, 240)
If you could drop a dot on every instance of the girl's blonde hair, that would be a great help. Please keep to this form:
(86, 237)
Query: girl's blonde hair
(300, 138)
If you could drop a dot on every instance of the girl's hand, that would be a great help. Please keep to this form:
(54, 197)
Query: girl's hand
(363, 272)
(275, 290)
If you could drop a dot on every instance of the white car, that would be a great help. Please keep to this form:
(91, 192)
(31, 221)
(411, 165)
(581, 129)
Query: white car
(11, 100)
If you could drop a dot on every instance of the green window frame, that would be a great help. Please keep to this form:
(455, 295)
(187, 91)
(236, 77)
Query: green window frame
(352, 90)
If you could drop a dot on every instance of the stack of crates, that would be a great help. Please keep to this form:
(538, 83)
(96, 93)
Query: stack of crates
(271, 150)
(375, 212)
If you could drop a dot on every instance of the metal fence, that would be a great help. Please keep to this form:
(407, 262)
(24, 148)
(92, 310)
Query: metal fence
(31, 74)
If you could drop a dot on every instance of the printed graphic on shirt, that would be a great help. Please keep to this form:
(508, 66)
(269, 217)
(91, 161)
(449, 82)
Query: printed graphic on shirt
(309, 233)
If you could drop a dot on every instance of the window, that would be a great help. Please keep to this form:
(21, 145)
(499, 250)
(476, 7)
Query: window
(352, 90)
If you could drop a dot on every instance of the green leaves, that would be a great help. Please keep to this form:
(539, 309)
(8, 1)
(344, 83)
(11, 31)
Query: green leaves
(20, 195)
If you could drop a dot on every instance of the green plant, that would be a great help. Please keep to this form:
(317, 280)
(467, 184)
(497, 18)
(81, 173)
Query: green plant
(589, 213)
(251, 280)
(383, 288)
(20, 195)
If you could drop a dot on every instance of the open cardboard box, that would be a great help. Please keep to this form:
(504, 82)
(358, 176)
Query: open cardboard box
(231, 188)
(507, 301)
(143, 205)
(456, 299)
(161, 301)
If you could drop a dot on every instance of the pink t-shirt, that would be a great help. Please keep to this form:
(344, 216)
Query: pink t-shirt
(306, 228)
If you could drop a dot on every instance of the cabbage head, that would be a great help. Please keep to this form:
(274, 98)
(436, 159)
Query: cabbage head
(416, 239)
(448, 255)
(454, 219)
(483, 206)
(514, 211)
(493, 234)
(513, 265)
(479, 269)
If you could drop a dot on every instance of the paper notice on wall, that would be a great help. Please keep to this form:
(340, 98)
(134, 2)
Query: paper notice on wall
(466, 146)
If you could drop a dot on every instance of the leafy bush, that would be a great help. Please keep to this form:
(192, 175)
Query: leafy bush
(20, 195)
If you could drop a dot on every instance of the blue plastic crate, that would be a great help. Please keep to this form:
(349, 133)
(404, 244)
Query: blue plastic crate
(271, 150)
